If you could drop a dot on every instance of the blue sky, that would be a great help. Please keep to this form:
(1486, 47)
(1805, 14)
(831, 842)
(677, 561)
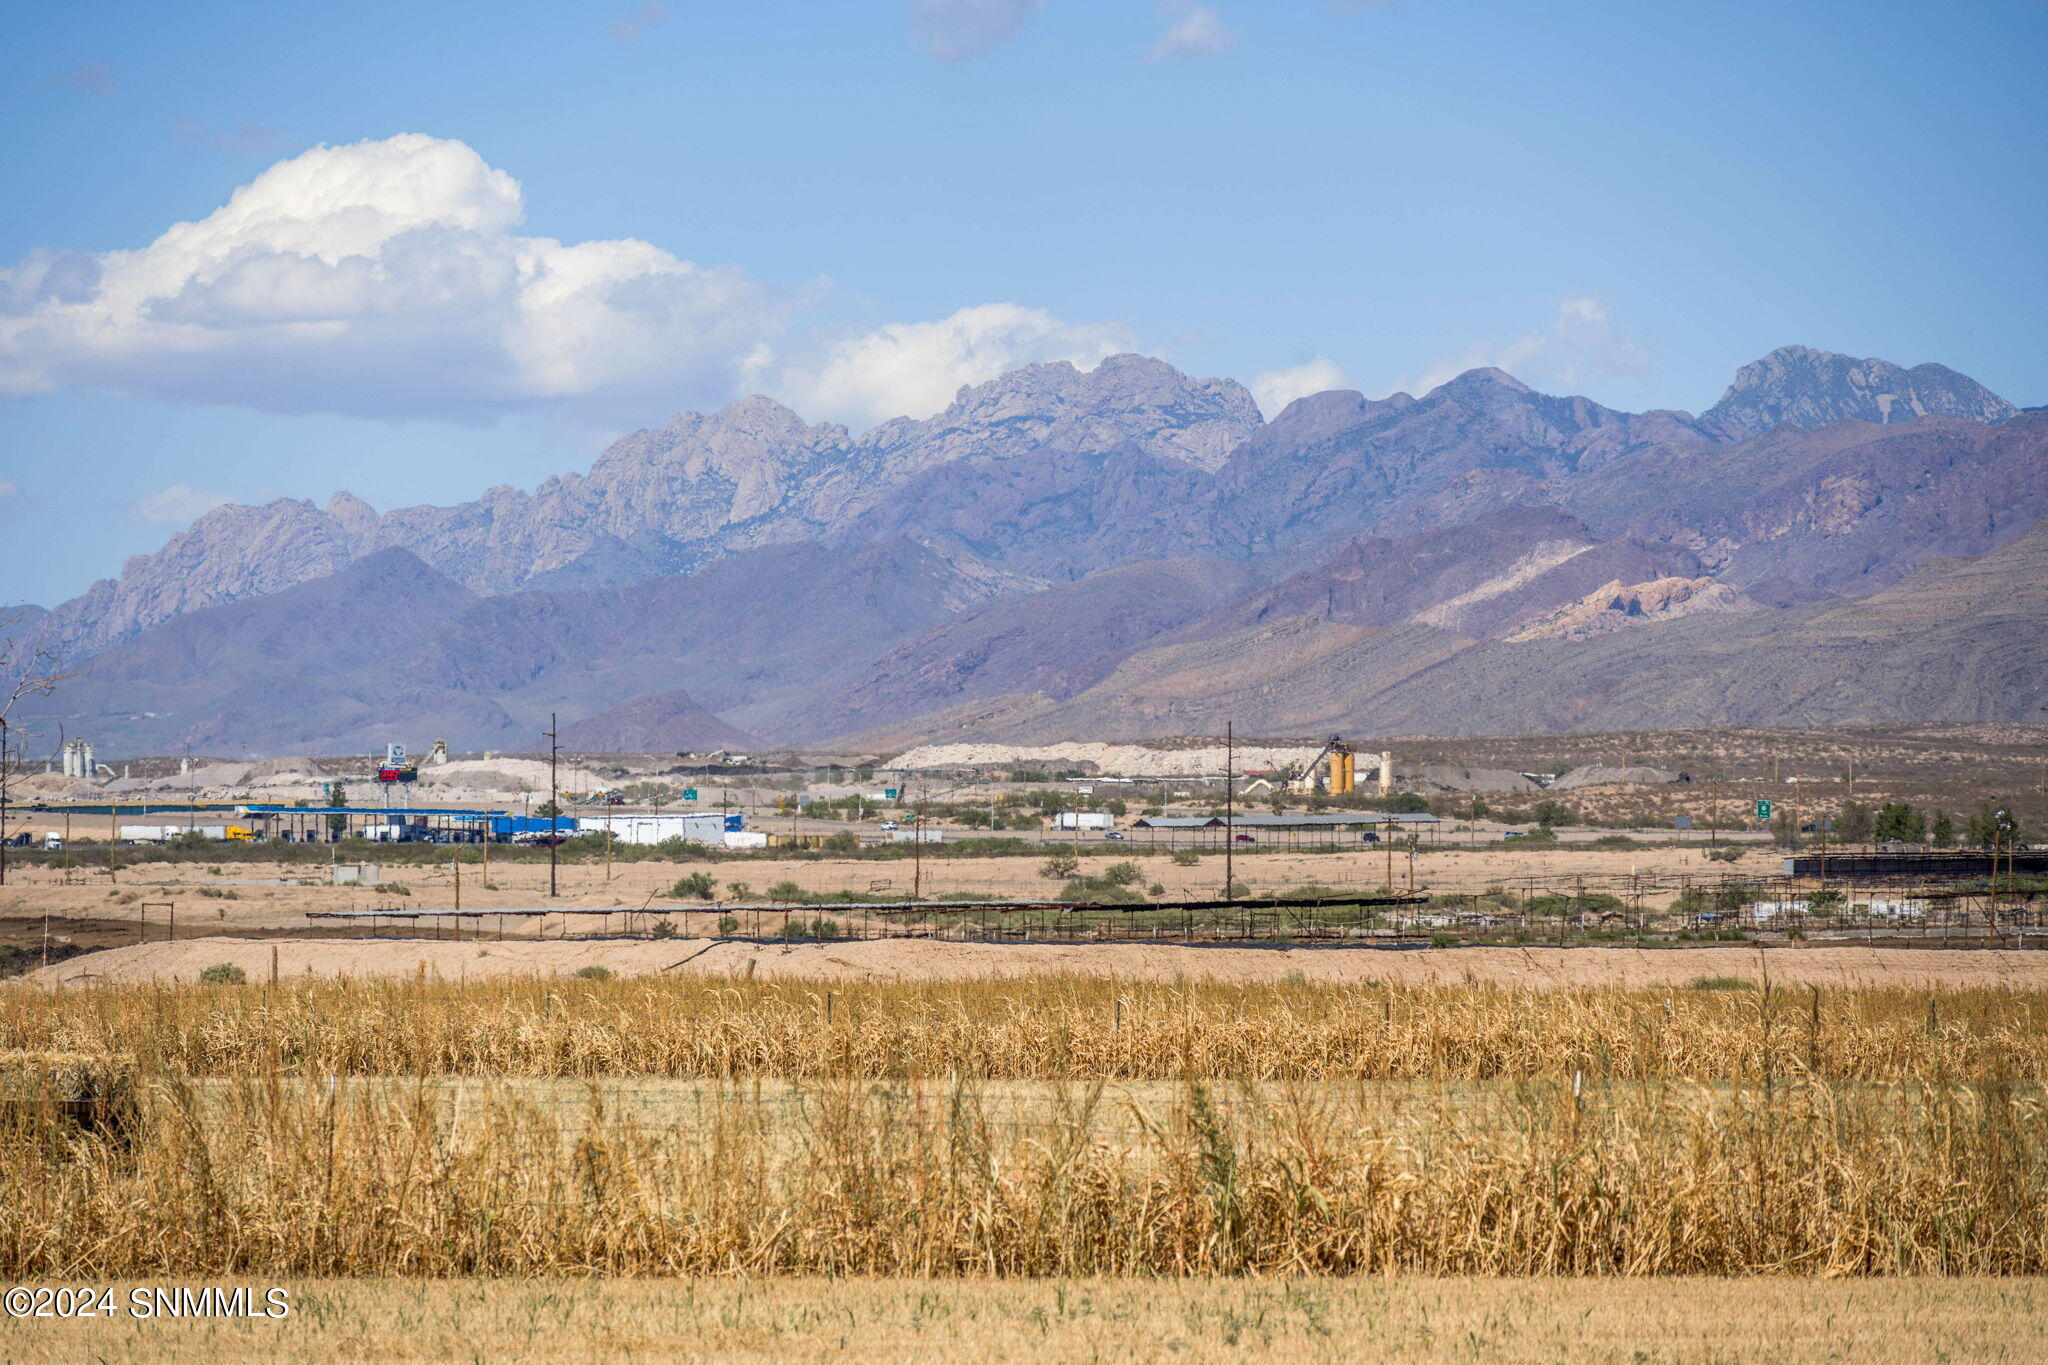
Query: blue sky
(877, 201)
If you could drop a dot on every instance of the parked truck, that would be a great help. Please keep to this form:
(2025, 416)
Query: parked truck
(1068, 819)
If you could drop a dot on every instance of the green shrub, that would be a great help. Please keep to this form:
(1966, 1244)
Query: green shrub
(224, 974)
(594, 973)
(1122, 874)
(728, 924)
(665, 928)
(1059, 867)
(1186, 857)
(1720, 983)
(1722, 855)
(696, 886)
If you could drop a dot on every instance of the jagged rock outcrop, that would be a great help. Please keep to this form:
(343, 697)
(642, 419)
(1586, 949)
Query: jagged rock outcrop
(1617, 606)
(1801, 387)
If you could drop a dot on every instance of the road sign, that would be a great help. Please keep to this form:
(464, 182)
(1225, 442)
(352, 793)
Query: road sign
(689, 793)
(1763, 810)
(888, 793)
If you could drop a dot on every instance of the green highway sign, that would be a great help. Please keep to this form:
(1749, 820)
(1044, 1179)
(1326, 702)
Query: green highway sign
(689, 793)
(888, 793)
(1763, 810)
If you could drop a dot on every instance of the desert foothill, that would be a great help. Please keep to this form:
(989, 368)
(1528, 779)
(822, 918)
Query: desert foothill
(960, 679)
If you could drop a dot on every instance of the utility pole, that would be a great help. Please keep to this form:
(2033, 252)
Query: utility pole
(3, 812)
(916, 856)
(1229, 806)
(554, 804)
(1714, 815)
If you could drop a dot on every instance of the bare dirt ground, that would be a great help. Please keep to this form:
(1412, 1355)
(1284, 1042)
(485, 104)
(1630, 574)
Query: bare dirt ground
(934, 960)
(271, 897)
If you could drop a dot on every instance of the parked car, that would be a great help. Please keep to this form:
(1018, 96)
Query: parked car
(1514, 834)
(1247, 839)
(889, 826)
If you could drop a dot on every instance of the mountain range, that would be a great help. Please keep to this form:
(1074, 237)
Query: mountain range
(1128, 552)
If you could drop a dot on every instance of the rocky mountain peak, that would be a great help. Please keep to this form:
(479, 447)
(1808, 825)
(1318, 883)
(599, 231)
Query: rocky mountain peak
(1803, 387)
(1486, 381)
(352, 514)
(1128, 402)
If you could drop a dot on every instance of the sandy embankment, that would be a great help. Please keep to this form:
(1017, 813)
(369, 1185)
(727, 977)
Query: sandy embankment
(917, 959)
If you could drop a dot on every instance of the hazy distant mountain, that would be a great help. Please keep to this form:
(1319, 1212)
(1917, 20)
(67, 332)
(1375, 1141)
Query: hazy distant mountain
(661, 722)
(389, 648)
(1958, 640)
(668, 499)
(1055, 642)
(1124, 547)
(1801, 387)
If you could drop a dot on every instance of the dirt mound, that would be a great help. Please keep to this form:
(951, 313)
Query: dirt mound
(1597, 776)
(926, 959)
(1110, 760)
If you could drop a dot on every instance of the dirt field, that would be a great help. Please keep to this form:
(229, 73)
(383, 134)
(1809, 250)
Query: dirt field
(1674, 1320)
(270, 896)
(931, 960)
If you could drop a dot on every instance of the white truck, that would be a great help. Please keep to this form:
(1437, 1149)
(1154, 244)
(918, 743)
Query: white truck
(1068, 819)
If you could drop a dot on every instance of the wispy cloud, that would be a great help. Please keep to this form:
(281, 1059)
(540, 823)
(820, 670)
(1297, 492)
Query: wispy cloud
(94, 78)
(915, 368)
(1197, 31)
(177, 505)
(10, 493)
(246, 139)
(1580, 347)
(957, 30)
(1275, 389)
(628, 27)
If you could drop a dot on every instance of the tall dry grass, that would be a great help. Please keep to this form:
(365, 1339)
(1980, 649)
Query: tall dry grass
(262, 1177)
(1075, 1028)
(345, 1129)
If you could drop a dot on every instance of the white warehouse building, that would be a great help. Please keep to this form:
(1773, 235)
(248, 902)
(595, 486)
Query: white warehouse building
(705, 827)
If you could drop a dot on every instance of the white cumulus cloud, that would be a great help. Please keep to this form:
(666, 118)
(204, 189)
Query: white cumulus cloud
(1580, 347)
(1275, 389)
(177, 505)
(956, 30)
(383, 278)
(1197, 31)
(914, 368)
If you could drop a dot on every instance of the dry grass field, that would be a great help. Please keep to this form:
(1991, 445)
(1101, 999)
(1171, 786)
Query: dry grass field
(735, 1166)
(360, 1129)
(1480, 1319)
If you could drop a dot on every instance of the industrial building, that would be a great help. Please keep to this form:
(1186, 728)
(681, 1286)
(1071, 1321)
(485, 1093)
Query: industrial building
(706, 827)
